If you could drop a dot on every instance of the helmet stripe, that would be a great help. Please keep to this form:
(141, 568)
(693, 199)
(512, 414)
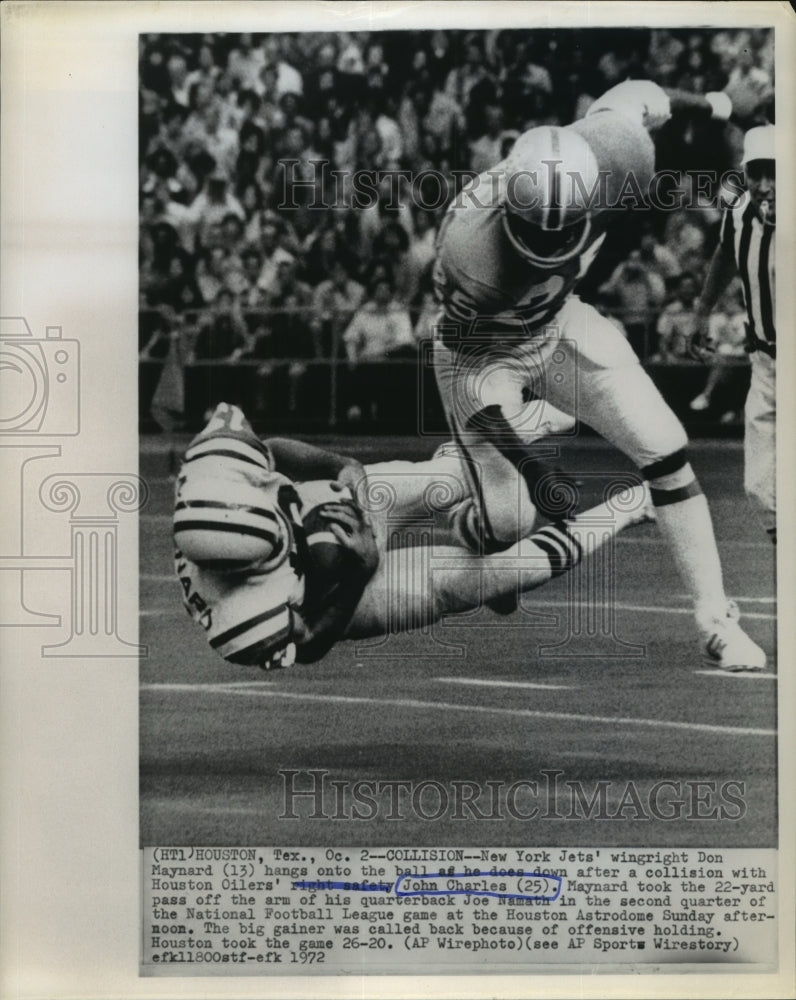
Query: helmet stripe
(555, 213)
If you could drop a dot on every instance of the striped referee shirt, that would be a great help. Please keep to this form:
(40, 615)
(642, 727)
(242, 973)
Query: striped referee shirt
(752, 245)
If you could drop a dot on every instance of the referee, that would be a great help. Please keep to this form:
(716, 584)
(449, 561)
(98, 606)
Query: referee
(746, 247)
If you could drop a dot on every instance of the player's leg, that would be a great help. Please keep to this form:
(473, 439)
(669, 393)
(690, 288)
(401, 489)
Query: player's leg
(618, 399)
(760, 442)
(414, 587)
(433, 497)
(482, 390)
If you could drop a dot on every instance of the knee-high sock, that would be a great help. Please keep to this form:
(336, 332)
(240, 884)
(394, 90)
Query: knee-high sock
(684, 520)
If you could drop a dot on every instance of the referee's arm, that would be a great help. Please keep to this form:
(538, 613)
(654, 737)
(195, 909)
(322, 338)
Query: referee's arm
(722, 270)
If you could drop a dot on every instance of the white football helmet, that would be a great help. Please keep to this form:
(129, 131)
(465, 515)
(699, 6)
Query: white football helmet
(549, 189)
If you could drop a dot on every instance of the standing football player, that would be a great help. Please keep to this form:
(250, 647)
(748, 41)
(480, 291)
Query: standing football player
(747, 246)
(518, 354)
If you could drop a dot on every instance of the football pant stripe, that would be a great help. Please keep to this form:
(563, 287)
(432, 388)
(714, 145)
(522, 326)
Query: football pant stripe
(255, 629)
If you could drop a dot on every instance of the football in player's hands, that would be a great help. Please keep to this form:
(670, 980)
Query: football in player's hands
(353, 533)
(331, 521)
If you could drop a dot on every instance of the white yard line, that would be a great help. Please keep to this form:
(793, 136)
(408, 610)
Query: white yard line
(265, 690)
(740, 674)
(651, 608)
(479, 682)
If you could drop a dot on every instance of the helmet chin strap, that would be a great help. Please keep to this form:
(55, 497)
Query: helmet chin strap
(547, 263)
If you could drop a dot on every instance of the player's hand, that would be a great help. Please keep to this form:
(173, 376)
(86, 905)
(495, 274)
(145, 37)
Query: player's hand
(352, 476)
(700, 346)
(354, 533)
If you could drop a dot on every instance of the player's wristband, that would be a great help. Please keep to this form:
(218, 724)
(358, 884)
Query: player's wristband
(720, 104)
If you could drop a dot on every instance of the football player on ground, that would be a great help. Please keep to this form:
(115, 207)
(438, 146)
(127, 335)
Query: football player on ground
(283, 549)
(747, 246)
(518, 355)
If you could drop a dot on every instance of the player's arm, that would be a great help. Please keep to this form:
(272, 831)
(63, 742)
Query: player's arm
(317, 629)
(650, 106)
(303, 462)
(721, 271)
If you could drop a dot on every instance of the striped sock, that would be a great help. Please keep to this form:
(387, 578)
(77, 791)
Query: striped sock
(560, 546)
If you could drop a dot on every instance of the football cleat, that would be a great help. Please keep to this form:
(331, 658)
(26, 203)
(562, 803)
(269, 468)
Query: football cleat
(728, 646)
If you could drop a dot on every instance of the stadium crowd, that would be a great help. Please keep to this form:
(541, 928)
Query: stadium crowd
(291, 186)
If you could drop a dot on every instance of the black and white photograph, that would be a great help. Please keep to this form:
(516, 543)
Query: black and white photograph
(457, 377)
(429, 526)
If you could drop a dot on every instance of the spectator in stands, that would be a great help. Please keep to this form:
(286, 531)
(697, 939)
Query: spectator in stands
(391, 247)
(181, 290)
(288, 78)
(334, 303)
(273, 253)
(223, 335)
(471, 86)
(245, 62)
(179, 85)
(210, 207)
(485, 152)
(379, 329)
(288, 304)
(677, 322)
(749, 86)
(637, 292)
(658, 258)
(213, 271)
(251, 295)
(421, 251)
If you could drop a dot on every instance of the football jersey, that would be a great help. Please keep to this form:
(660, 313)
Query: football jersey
(478, 276)
(751, 243)
(246, 611)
